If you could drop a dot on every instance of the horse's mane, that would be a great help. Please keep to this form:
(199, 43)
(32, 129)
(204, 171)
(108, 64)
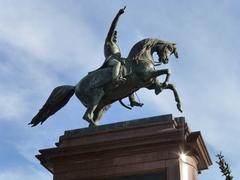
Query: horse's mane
(140, 47)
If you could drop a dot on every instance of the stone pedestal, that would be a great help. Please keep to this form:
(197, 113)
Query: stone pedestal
(155, 148)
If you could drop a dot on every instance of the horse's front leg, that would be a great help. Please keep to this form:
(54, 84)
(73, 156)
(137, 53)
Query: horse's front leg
(177, 98)
(158, 87)
(162, 72)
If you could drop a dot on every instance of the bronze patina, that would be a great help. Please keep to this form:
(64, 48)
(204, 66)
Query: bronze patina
(116, 79)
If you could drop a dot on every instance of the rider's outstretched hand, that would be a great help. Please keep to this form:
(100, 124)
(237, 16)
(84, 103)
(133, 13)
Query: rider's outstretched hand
(121, 11)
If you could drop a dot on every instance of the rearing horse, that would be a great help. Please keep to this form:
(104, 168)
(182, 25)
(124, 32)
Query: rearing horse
(97, 92)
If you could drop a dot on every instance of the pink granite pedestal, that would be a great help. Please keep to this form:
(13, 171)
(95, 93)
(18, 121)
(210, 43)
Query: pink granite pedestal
(158, 147)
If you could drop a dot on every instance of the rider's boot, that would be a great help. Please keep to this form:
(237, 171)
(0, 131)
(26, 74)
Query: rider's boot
(119, 81)
(133, 102)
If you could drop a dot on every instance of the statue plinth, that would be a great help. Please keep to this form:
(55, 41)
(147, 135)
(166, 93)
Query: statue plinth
(157, 147)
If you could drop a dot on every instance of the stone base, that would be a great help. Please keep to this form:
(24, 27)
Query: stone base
(151, 148)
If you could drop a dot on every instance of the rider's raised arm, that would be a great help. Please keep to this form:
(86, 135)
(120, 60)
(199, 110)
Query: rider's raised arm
(114, 24)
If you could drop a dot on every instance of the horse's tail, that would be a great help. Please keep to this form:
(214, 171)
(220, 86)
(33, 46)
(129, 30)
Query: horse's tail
(57, 99)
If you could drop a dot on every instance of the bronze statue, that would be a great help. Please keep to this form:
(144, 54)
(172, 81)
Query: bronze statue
(116, 79)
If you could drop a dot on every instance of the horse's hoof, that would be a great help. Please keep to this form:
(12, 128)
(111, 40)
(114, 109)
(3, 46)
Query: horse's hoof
(164, 84)
(89, 120)
(92, 125)
(179, 106)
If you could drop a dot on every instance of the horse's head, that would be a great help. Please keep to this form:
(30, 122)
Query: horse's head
(144, 50)
(164, 51)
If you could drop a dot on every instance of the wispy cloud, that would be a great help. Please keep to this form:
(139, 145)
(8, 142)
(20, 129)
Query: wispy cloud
(51, 36)
(40, 45)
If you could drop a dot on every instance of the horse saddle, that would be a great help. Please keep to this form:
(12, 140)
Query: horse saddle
(103, 75)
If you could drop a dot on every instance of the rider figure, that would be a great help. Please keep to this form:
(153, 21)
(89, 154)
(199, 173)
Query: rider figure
(112, 54)
(112, 51)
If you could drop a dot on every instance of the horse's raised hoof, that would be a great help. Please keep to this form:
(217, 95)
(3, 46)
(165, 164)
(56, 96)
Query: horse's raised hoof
(179, 106)
(164, 84)
(158, 89)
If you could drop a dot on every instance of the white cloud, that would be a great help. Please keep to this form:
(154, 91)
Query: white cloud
(21, 83)
(50, 35)
(12, 105)
(41, 44)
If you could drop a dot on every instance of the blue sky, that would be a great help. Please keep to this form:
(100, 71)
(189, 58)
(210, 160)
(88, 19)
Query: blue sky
(44, 44)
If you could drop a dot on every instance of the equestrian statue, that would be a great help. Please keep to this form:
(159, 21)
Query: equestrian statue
(116, 79)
